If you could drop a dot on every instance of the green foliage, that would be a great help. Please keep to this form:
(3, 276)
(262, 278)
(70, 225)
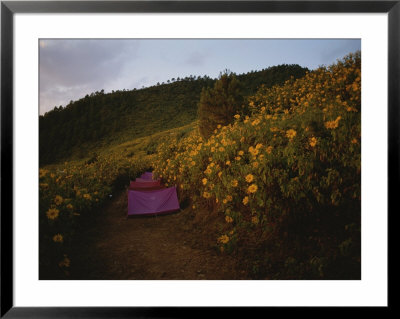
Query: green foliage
(218, 104)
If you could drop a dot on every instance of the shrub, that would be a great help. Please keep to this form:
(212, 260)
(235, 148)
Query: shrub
(218, 104)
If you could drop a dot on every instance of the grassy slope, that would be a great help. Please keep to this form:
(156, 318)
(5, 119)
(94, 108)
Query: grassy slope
(99, 120)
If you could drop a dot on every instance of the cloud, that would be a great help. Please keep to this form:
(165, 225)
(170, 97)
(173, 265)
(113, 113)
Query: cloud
(68, 67)
(196, 58)
(342, 48)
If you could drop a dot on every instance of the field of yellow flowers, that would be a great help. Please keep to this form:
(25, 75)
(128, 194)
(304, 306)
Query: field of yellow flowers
(72, 191)
(285, 179)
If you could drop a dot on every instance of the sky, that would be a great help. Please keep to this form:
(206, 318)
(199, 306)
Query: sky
(71, 68)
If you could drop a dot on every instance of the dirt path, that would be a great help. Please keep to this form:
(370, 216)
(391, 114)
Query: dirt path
(154, 247)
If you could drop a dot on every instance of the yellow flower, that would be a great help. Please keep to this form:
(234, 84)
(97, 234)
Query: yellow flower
(313, 141)
(351, 109)
(234, 183)
(255, 164)
(241, 153)
(269, 149)
(87, 196)
(237, 158)
(52, 213)
(204, 180)
(206, 195)
(208, 171)
(229, 198)
(291, 133)
(258, 146)
(253, 150)
(58, 200)
(221, 149)
(252, 188)
(333, 124)
(249, 178)
(69, 206)
(66, 262)
(245, 200)
(354, 141)
(254, 220)
(219, 174)
(58, 238)
(237, 116)
(42, 172)
(225, 201)
(223, 239)
(228, 219)
(228, 163)
(219, 126)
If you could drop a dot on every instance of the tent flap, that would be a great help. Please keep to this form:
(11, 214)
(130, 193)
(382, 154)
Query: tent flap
(152, 202)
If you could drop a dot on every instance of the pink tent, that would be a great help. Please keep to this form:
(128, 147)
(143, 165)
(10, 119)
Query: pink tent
(143, 180)
(147, 176)
(145, 185)
(152, 202)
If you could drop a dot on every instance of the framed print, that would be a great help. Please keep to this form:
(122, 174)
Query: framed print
(163, 155)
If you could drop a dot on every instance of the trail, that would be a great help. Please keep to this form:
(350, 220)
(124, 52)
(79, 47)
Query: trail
(114, 247)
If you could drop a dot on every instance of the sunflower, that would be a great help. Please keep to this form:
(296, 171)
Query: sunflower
(52, 213)
(313, 141)
(252, 188)
(58, 238)
(249, 178)
(291, 134)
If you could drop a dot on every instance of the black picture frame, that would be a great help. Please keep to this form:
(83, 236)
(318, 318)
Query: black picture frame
(9, 8)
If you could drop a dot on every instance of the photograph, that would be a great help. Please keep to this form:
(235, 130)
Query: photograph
(199, 159)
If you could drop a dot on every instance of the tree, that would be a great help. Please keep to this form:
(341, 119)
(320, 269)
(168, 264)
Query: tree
(219, 104)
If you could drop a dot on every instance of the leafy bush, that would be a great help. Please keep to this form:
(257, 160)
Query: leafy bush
(218, 104)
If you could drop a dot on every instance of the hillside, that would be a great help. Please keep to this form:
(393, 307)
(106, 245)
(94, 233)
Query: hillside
(274, 194)
(100, 119)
